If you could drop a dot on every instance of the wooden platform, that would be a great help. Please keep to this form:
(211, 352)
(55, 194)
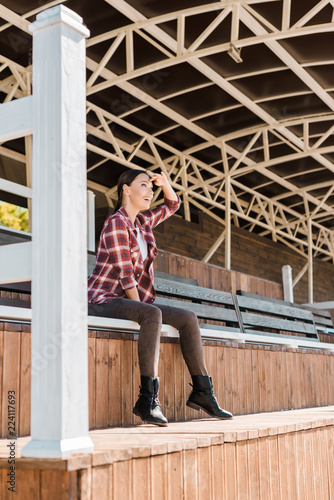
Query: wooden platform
(247, 378)
(281, 455)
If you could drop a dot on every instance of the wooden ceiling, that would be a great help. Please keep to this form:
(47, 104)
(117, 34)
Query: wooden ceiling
(234, 100)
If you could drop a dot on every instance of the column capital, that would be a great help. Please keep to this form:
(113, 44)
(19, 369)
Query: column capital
(56, 15)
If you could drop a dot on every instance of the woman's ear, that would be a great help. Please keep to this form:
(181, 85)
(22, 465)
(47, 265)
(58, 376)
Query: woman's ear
(125, 189)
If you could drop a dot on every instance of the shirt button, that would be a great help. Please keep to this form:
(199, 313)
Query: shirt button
(138, 274)
(134, 254)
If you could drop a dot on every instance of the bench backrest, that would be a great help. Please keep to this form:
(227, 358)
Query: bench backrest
(263, 314)
(207, 304)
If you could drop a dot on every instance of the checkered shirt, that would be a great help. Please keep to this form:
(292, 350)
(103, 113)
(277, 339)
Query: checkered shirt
(119, 263)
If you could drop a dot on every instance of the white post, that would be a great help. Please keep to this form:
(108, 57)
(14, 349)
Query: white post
(59, 399)
(310, 263)
(287, 283)
(91, 221)
(228, 222)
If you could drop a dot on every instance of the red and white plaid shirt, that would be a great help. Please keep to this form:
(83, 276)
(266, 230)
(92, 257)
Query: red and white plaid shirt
(119, 263)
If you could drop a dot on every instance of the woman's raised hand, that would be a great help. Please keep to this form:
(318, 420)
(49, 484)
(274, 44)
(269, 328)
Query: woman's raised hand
(160, 179)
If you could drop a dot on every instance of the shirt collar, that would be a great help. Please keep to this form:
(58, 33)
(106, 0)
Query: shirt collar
(125, 215)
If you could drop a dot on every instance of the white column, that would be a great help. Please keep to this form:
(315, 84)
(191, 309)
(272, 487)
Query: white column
(91, 221)
(228, 222)
(287, 283)
(310, 263)
(59, 391)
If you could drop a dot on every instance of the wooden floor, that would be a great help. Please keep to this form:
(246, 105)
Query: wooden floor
(269, 456)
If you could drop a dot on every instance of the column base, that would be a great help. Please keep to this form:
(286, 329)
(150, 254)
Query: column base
(63, 448)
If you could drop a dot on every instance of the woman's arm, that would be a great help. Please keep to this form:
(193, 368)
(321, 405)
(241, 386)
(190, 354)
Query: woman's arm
(132, 293)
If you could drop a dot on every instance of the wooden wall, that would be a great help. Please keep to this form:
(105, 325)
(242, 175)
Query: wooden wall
(286, 464)
(247, 378)
(215, 277)
(251, 254)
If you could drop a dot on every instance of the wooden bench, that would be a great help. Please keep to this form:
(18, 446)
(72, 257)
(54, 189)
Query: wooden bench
(227, 317)
(209, 305)
(322, 319)
(263, 316)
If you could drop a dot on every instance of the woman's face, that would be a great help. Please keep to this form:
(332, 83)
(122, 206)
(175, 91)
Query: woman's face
(140, 193)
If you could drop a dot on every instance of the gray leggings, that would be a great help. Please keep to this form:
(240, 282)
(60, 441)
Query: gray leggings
(150, 318)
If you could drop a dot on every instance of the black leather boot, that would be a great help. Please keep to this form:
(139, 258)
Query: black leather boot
(203, 398)
(148, 406)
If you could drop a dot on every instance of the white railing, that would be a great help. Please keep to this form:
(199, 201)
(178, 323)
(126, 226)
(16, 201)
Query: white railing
(56, 259)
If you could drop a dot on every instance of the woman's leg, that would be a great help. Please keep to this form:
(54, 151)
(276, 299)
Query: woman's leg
(149, 318)
(147, 407)
(202, 396)
(190, 337)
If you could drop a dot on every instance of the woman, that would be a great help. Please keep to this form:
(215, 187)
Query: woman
(121, 286)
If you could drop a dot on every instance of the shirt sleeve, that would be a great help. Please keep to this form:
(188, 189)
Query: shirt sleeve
(162, 212)
(117, 244)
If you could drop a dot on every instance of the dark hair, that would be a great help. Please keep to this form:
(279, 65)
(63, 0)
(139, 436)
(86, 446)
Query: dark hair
(127, 178)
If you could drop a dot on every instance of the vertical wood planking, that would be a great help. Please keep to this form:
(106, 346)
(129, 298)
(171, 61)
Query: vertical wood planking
(25, 385)
(175, 476)
(126, 380)
(141, 479)
(204, 472)
(115, 383)
(217, 475)
(2, 394)
(101, 482)
(11, 377)
(230, 471)
(159, 477)
(91, 382)
(190, 475)
(179, 384)
(169, 390)
(102, 385)
(122, 480)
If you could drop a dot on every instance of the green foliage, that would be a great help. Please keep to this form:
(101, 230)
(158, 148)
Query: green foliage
(14, 216)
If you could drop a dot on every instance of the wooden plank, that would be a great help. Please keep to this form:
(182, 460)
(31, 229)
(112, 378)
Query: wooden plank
(102, 385)
(253, 477)
(274, 307)
(2, 394)
(11, 377)
(91, 382)
(58, 484)
(275, 491)
(179, 384)
(270, 322)
(122, 480)
(126, 375)
(204, 471)
(249, 395)
(202, 311)
(265, 478)
(199, 293)
(217, 467)
(230, 471)
(159, 477)
(27, 485)
(169, 396)
(190, 474)
(101, 482)
(141, 479)
(174, 277)
(242, 469)
(175, 476)
(25, 385)
(115, 383)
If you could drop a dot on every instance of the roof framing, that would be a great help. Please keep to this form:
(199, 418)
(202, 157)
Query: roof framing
(263, 195)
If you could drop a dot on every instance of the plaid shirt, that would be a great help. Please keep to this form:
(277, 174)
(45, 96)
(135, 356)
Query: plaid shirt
(119, 263)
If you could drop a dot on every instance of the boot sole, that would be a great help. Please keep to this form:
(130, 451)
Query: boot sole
(194, 406)
(138, 414)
